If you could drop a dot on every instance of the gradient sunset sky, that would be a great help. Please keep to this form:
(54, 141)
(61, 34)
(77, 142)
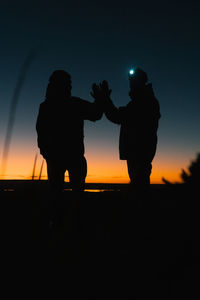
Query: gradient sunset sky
(96, 40)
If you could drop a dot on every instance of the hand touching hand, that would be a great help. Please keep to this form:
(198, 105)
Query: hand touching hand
(105, 89)
(101, 92)
(96, 91)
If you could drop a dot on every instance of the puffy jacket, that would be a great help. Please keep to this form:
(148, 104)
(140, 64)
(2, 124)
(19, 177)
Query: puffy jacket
(139, 124)
(60, 126)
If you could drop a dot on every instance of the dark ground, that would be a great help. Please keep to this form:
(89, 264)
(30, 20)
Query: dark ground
(102, 245)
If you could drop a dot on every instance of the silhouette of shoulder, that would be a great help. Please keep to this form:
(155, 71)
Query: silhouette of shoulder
(144, 105)
(74, 107)
(88, 110)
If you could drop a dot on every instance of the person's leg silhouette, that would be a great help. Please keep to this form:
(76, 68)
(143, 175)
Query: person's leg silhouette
(55, 175)
(77, 174)
(139, 172)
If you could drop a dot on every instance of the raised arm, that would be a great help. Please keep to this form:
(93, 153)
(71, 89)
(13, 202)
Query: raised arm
(92, 111)
(113, 114)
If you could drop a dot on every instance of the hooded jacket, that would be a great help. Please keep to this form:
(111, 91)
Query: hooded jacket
(139, 124)
(60, 127)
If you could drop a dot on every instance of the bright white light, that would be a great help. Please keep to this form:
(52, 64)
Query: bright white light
(131, 72)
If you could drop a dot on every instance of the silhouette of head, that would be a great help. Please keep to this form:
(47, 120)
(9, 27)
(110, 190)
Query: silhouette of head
(137, 81)
(59, 86)
(139, 78)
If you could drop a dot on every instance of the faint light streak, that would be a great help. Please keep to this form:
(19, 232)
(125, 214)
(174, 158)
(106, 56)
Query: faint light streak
(13, 107)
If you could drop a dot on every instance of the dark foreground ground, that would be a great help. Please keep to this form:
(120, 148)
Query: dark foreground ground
(102, 245)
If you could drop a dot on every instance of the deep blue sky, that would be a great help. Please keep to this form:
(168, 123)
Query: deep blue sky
(96, 40)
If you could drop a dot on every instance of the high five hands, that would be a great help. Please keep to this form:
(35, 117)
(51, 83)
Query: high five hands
(101, 91)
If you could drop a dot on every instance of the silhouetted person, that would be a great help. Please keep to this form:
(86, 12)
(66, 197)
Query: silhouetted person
(139, 124)
(60, 131)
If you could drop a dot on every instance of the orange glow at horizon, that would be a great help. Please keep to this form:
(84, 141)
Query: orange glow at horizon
(102, 168)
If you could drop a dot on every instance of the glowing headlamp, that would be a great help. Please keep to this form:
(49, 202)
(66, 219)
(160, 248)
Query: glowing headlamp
(131, 72)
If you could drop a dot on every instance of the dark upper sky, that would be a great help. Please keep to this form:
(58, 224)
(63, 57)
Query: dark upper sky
(96, 40)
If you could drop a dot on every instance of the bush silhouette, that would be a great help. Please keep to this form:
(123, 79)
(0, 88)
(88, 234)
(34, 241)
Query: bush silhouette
(192, 175)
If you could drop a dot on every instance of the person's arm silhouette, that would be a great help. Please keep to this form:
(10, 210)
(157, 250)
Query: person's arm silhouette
(113, 114)
(92, 111)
